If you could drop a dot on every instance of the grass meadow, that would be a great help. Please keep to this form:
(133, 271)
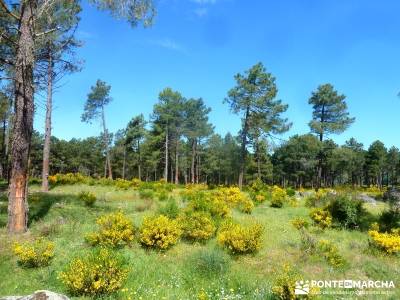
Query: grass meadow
(188, 270)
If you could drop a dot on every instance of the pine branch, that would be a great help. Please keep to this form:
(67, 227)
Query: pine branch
(8, 11)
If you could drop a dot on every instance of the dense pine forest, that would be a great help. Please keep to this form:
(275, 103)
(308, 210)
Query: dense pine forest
(187, 150)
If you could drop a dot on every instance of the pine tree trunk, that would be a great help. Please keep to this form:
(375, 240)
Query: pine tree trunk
(47, 135)
(177, 161)
(3, 150)
(166, 155)
(23, 122)
(243, 148)
(106, 142)
(139, 161)
(258, 161)
(124, 164)
(193, 160)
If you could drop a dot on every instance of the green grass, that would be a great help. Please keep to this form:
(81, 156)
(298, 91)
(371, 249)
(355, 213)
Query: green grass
(173, 274)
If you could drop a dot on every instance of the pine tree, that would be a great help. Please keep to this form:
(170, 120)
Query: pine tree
(254, 98)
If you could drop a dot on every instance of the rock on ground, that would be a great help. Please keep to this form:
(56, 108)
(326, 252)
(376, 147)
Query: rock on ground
(38, 295)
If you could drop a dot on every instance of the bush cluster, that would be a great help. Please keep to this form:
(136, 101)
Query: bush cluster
(346, 211)
(208, 262)
(100, 272)
(34, 254)
(388, 242)
(197, 226)
(239, 239)
(299, 223)
(87, 197)
(331, 253)
(115, 230)
(159, 232)
(278, 196)
(321, 218)
(216, 206)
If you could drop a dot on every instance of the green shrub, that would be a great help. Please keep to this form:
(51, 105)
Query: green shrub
(87, 197)
(34, 254)
(331, 253)
(115, 230)
(346, 211)
(290, 192)
(159, 232)
(146, 194)
(100, 272)
(197, 226)
(208, 262)
(239, 239)
(389, 219)
(143, 205)
(299, 223)
(163, 195)
(170, 209)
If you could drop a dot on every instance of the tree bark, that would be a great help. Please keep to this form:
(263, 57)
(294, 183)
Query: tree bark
(166, 155)
(124, 163)
(177, 161)
(192, 173)
(106, 142)
(139, 161)
(47, 135)
(23, 121)
(243, 147)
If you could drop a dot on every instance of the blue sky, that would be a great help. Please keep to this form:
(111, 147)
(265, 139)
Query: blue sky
(196, 47)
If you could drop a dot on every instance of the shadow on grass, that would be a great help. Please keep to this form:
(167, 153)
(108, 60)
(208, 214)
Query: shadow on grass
(40, 204)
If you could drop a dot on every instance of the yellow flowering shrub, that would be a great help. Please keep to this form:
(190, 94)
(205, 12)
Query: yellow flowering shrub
(115, 230)
(69, 178)
(331, 253)
(240, 239)
(246, 205)
(87, 197)
(321, 218)
(259, 198)
(299, 223)
(123, 183)
(101, 272)
(216, 206)
(388, 242)
(135, 182)
(160, 232)
(375, 191)
(285, 283)
(197, 226)
(278, 196)
(34, 254)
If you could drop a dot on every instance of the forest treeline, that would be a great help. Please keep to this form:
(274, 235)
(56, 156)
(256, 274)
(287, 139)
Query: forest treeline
(293, 163)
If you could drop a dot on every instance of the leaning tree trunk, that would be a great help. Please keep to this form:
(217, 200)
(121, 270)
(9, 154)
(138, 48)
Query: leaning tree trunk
(106, 141)
(23, 122)
(47, 135)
